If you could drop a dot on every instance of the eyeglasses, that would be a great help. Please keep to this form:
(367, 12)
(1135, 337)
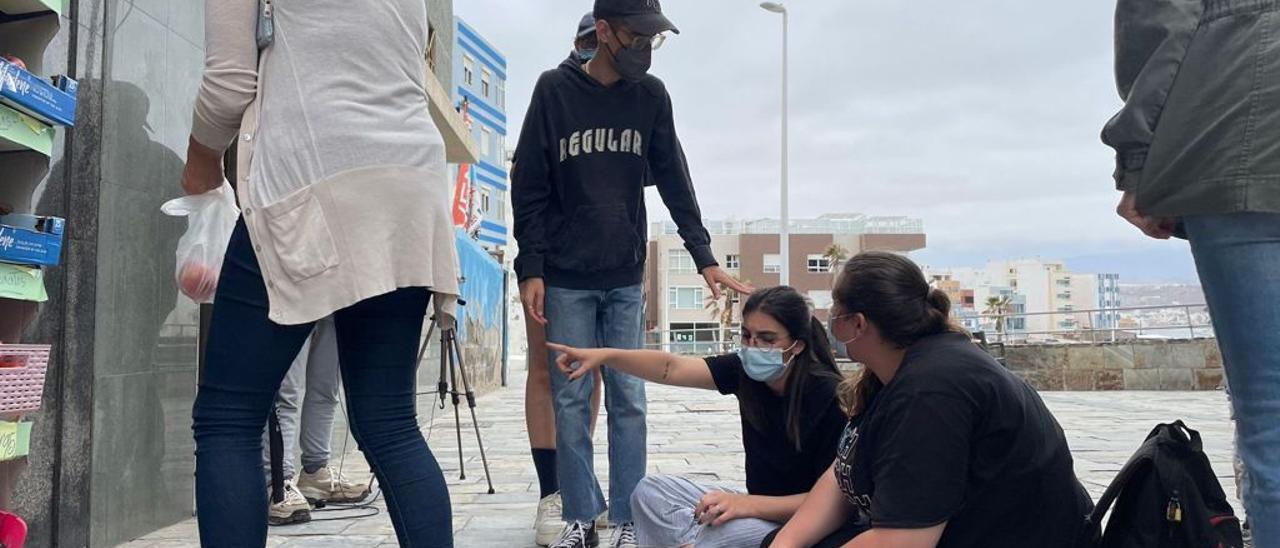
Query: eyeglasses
(640, 41)
(837, 317)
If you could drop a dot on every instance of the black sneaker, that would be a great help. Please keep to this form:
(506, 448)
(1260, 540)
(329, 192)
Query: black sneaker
(577, 534)
(625, 536)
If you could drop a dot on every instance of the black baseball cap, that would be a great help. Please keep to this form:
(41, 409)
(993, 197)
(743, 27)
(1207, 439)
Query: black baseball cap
(642, 16)
(587, 26)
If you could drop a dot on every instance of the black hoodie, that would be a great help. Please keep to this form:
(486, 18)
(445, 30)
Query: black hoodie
(584, 156)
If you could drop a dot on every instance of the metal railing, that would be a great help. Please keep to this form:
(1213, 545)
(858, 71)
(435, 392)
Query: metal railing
(1186, 324)
(699, 342)
(712, 340)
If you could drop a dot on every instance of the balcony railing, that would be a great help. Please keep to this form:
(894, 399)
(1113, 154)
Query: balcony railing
(1179, 321)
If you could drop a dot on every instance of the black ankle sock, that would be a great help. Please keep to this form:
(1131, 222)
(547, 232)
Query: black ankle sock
(312, 469)
(544, 461)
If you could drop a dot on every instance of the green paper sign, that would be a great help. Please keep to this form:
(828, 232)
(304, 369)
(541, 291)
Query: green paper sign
(22, 283)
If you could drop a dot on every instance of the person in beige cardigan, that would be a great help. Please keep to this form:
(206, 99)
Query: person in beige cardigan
(342, 182)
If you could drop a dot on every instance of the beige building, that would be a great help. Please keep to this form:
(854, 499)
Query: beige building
(677, 297)
(1059, 300)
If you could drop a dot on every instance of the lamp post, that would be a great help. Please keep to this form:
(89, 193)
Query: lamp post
(785, 232)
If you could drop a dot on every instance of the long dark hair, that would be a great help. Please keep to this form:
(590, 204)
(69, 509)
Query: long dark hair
(816, 362)
(892, 292)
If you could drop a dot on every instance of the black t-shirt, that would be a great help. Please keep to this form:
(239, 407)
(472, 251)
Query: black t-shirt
(956, 438)
(774, 467)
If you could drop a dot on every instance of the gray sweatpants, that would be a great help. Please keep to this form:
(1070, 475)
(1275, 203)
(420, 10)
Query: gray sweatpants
(316, 368)
(663, 506)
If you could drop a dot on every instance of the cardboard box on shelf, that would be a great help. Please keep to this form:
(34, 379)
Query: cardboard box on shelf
(31, 239)
(37, 97)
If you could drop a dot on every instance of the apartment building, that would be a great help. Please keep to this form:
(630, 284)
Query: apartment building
(1058, 299)
(677, 310)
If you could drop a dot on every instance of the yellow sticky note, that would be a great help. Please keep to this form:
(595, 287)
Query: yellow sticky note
(9, 446)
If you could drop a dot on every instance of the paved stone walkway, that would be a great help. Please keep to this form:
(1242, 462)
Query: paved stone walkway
(697, 433)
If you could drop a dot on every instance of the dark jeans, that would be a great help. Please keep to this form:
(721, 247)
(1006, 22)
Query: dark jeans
(247, 358)
(837, 539)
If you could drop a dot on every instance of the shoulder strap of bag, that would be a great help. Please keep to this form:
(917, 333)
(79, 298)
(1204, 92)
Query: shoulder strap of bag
(1143, 458)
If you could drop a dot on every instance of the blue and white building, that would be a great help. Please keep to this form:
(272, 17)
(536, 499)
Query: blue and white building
(1108, 316)
(480, 81)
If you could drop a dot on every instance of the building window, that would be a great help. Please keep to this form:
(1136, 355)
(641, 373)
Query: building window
(680, 262)
(468, 70)
(486, 139)
(686, 298)
(695, 338)
(821, 299)
(502, 94)
(733, 262)
(819, 264)
(773, 264)
(484, 201)
(485, 82)
(500, 209)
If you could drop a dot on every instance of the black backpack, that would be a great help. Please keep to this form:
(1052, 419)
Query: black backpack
(1166, 496)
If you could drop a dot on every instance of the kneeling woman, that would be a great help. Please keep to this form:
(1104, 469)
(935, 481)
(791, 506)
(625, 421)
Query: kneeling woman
(947, 448)
(785, 379)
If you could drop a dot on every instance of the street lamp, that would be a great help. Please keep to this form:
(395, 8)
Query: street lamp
(785, 234)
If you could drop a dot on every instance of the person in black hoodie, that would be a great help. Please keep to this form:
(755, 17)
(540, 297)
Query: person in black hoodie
(593, 136)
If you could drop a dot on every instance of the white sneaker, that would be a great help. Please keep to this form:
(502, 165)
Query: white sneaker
(625, 536)
(329, 485)
(293, 509)
(550, 520)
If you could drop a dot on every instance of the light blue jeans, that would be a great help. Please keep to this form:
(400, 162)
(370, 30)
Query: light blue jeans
(1238, 257)
(595, 319)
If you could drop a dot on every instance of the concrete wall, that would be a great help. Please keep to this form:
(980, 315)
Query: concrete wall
(1137, 365)
(1180, 365)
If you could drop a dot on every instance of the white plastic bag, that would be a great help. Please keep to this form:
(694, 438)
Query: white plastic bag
(211, 217)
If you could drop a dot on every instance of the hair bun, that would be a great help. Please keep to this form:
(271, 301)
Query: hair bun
(938, 300)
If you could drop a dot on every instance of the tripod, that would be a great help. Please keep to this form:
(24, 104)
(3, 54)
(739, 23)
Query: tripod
(452, 367)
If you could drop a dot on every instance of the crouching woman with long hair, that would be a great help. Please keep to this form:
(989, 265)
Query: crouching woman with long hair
(947, 448)
(785, 379)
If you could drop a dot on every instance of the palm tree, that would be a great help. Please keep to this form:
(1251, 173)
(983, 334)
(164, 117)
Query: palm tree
(999, 307)
(722, 310)
(836, 255)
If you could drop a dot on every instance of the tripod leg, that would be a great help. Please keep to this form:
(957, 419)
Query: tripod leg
(471, 404)
(442, 387)
(457, 415)
(426, 341)
(276, 448)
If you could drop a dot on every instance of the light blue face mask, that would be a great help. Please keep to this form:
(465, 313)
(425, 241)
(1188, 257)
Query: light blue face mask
(586, 54)
(764, 364)
(840, 347)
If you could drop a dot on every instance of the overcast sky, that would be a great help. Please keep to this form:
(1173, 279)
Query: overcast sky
(981, 117)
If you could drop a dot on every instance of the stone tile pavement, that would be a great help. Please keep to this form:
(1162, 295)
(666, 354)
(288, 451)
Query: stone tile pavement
(697, 433)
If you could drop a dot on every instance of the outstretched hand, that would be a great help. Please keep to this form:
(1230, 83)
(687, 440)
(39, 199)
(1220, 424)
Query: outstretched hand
(586, 360)
(716, 277)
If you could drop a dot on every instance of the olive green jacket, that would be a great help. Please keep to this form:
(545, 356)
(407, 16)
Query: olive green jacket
(1200, 129)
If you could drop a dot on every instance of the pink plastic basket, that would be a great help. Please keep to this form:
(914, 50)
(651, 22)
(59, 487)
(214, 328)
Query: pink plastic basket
(22, 370)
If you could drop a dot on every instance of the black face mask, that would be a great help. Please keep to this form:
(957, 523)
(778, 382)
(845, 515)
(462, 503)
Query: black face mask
(632, 64)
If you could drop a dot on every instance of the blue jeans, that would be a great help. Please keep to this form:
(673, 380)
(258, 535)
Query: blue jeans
(247, 358)
(595, 319)
(1238, 256)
